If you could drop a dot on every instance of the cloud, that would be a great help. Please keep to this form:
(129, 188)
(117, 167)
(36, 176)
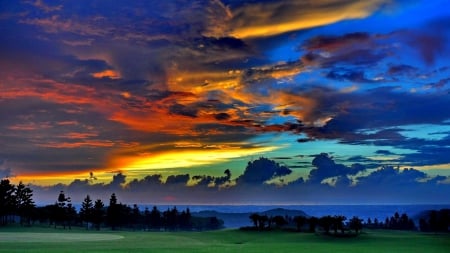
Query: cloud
(272, 18)
(383, 152)
(402, 69)
(390, 176)
(326, 168)
(336, 43)
(392, 185)
(43, 6)
(118, 179)
(262, 170)
(177, 179)
(349, 75)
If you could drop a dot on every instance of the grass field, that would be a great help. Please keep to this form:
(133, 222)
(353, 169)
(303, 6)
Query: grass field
(49, 240)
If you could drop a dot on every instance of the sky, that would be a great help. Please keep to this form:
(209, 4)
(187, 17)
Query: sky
(239, 102)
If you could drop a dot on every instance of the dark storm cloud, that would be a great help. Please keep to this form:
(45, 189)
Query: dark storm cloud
(183, 110)
(377, 108)
(326, 168)
(354, 49)
(177, 179)
(118, 179)
(428, 155)
(390, 176)
(222, 116)
(211, 181)
(262, 170)
(384, 152)
(333, 43)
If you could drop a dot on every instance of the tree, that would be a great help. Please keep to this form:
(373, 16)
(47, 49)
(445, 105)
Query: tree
(263, 219)
(113, 212)
(326, 222)
(355, 223)
(63, 210)
(98, 213)
(313, 222)
(135, 216)
(338, 223)
(254, 217)
(71, 214)
(300, 221)
(279, 221)
(24, 202)
(7, 200)
(170, 218)
(185, 220)
(86, 211)
(155, 218)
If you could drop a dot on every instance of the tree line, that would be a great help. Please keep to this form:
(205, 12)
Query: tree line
(16, 202)
(95, 215)
(339, 225)
(327, 223)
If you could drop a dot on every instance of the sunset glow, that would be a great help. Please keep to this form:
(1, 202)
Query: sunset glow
(163, 95)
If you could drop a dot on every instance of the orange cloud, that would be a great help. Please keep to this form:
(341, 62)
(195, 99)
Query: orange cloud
(264, 19)
(109, 73)
(87, 143)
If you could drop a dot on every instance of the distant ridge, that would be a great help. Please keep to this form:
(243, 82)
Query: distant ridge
(235, 220)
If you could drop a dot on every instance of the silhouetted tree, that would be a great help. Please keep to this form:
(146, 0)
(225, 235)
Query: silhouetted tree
(86, 211)
(214, 223)
(263, 219)
(313, 222)
(63, 210)
(24, 203)
(185, 220)
(98, 213)
(398, 222)
(170, 218)
(300, 221)
(338, 223)
(436, 221)
(254, 217)
(71, 214)
(135, 216)
(375, 222)
(355, 223)
(155, 218)
(7, 200)
(113, 212)
(326, 222)
(279, 221)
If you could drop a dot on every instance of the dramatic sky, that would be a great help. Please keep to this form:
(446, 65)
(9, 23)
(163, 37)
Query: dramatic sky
(198, 101)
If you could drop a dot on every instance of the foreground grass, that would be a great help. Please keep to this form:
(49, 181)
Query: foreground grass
(232, 241)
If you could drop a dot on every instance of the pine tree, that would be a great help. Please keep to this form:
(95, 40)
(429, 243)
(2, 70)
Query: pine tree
(113, 212)
(86, 211)
(7, 200)
(98, 212)
(24, 202)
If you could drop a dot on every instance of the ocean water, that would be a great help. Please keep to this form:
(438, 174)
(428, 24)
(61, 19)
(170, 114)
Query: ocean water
(362, 211)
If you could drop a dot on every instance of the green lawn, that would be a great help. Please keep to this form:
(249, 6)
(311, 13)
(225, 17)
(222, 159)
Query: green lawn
(218, 241)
